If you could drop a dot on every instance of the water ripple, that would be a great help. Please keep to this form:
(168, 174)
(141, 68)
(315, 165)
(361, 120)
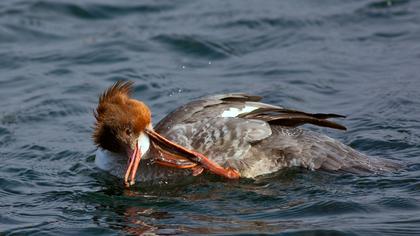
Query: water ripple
(357, 58)
(95, 11)
(196, 45)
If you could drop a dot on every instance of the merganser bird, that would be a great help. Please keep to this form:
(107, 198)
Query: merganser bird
(231, 135)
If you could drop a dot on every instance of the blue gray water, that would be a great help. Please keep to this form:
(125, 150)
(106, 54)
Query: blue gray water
(357, 58)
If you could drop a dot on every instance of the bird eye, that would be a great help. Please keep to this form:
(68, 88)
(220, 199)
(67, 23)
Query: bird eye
(128, 131)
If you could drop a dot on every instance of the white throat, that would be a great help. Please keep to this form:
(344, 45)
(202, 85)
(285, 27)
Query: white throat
(144, 143)
(116, 163)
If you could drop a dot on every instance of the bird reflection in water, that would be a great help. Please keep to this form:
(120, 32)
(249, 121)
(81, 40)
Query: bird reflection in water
(150, 221)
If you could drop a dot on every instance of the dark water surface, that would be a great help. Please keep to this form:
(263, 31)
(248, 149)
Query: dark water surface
(358, 58)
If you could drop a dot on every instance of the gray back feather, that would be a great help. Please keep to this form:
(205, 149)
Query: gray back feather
(263, 140)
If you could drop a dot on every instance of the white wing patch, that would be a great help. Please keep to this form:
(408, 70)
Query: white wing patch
(234, 112)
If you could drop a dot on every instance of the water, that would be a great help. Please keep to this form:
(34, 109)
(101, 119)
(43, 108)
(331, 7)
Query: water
(358, 58)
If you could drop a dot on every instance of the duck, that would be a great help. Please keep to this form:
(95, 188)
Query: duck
(231, 135)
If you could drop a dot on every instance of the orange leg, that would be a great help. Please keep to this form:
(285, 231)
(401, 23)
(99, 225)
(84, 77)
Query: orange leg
(167, 146)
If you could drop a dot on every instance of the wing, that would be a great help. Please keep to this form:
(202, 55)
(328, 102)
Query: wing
(221, 138)
(292, 118)
(247, 107)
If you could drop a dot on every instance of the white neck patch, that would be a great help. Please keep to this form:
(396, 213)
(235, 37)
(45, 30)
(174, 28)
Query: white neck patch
(144, 143)
(234, 112)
